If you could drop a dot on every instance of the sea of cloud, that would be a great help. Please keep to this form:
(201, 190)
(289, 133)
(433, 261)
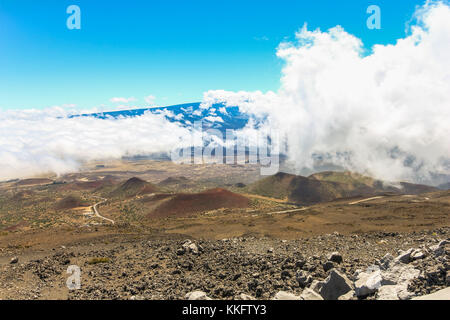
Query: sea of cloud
(44, 141)
(385, 113)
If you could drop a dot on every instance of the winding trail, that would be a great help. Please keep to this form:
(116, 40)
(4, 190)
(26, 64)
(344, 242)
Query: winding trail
(96, 213)
(364, 200)
(288, 211)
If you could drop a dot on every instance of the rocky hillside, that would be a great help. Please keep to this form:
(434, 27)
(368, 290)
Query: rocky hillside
(133, 187)
(328, 186)
(70, 202)
(186, 204)
(333, 266)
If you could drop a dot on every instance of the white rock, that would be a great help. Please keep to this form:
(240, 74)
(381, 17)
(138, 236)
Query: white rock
(189, 246)
(316, 285)
(283, 295)
(196, 295)
(368, 283)
(309, 294)
(417, 254)
(404, 294)
(394, 292)
(335, 285)
(405, 256)
(443, 294)
(386, 261)
(244, 296)
(349, 295)
(399, 273)
(186, 242)
(438, 249)
(193, 248)
(389, 292)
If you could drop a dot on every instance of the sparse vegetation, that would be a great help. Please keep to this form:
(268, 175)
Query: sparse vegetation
(99, 260)
(211, 207)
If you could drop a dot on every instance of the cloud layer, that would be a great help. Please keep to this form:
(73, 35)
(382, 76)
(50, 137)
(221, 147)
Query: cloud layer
(36, 142)
(386, 114)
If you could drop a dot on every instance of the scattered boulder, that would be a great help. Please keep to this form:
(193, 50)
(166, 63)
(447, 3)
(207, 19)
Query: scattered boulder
(439, 249)
(389, 292)
(335, 285)
(191, 247)
(348, 296)
(303, 278)
(328, 266)
(196, 295)
(316, 285)
(386, 261)
(399, 273)
(283, 295)
(14, 260)
(309, 294)
(285, 274)
(395, 281)
(417, 254)
(443, 294)
(244, 296)
(405, 256)
(368, 283)
(335, 257)
(300, 263)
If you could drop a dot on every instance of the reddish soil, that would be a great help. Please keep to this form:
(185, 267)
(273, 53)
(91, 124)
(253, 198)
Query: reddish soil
(133, 187)
(23, 195)
(16, 226)
(156, 197)
(87, 185)
(186, 204)
(31, 182)
(70, 202)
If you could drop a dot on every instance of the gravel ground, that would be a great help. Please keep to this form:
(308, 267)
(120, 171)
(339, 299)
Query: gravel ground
(223, 269)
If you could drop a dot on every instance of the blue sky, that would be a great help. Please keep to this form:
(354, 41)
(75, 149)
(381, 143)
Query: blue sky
(173, 50)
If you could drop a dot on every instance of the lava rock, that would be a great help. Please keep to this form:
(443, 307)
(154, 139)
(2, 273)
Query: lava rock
(283, 295)
(335, 285)
(335, 257)
(368, 283)
(328, 266)
(309, 294)
(196, 295)
(303, 278)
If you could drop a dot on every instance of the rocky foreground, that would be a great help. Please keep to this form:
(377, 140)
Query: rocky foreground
(385, 266)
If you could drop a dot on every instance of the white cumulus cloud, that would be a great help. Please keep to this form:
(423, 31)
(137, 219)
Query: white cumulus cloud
(386, 113)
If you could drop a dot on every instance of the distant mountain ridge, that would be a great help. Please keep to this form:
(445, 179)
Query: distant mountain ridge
(328, 186)
(217, 116)
(444, 186)
(221, 117)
